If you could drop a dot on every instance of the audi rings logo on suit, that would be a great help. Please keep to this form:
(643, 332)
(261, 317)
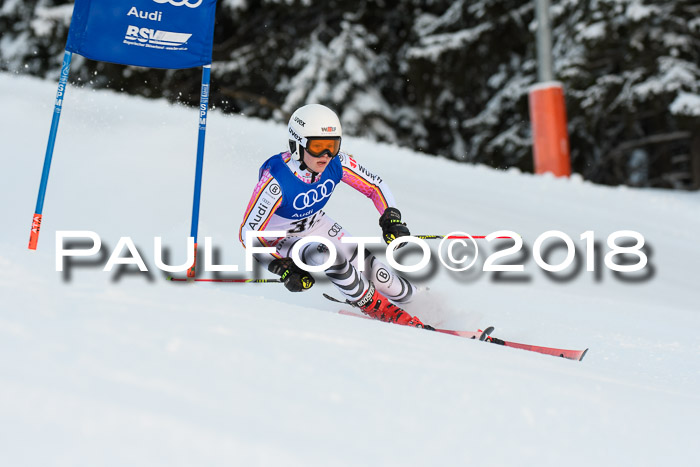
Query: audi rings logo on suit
(313, 196)
(334, 230)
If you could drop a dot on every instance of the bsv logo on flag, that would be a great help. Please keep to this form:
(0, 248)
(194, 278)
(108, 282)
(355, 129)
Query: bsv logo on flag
(181, 2)
(311, 197)
(147, 37)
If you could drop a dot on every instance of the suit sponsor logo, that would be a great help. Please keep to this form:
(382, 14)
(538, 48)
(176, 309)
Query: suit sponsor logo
(334, 230)
(298, 215)
(313, 196)
(375, 178)
(258, 216)
(383, 276)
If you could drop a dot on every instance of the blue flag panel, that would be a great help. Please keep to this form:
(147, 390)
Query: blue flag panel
(149, 33)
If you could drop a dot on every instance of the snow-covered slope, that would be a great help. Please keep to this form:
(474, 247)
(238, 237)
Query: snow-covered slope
(101, 368)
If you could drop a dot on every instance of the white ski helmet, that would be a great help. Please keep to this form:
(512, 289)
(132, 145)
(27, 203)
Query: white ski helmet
(312, 121)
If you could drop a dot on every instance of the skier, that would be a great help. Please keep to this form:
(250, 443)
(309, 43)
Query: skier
(292, 189)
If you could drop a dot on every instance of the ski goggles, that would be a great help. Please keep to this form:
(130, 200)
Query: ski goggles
(329, 146)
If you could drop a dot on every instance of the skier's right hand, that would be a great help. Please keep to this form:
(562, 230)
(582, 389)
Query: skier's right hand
(294, 278)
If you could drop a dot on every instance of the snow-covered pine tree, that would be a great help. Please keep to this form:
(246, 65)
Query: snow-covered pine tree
(470, 67)
(630, 69)
(29, 30)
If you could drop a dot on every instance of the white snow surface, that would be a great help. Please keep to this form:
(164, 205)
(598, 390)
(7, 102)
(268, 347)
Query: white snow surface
(107, 369)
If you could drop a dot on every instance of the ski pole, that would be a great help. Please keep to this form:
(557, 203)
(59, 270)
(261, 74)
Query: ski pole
(238, 281)
(451, 237)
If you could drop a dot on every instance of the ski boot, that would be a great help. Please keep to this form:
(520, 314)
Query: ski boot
(377, 306)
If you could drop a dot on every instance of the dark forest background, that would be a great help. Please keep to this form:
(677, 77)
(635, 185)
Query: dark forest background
(443, 77)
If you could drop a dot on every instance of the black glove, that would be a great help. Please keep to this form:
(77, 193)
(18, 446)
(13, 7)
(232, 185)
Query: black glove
(391, 225)
(294, 278)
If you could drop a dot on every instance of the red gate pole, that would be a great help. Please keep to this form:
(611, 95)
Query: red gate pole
(549, 133)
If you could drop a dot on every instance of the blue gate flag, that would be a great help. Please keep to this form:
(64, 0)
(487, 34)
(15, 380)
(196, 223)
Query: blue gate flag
(150, 33)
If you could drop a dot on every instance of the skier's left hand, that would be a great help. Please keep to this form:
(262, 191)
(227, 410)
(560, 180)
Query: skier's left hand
(392, 227)
(294, 278)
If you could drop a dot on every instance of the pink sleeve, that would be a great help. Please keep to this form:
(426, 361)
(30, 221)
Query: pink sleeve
(370, 185)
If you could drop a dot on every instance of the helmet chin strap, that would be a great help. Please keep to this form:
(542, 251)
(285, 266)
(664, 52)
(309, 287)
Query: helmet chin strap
(303, 166)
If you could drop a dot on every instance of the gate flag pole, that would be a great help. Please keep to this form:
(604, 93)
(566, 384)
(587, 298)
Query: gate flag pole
(203, 110)
(60, 93)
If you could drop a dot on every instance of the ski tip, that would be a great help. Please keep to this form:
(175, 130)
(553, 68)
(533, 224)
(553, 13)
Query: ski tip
(486, 332)
(583, 355)
(169, 278)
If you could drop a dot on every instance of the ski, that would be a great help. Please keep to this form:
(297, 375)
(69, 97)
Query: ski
(485, 335)
(481, 335)
(564, 353)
